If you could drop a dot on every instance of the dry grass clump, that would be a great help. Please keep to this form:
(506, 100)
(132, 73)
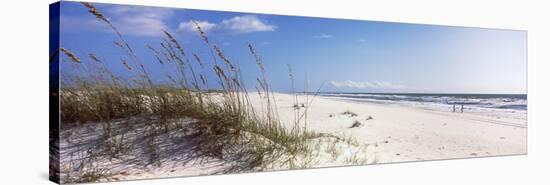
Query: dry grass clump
(85, 170)
(348, 112)
(227, 126)
(356, 124)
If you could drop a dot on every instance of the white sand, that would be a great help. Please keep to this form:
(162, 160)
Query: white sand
(395, 133)
(410, 134)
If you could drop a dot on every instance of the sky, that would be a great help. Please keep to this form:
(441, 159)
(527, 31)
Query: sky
(334, 54)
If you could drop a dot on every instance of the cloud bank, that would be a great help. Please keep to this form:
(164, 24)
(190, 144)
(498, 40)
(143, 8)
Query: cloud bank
(237, 24)
(150, 21)
(365, 85)
(143, 21)
(136, 21)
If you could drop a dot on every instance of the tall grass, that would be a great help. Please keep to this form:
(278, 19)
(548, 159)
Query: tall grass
(227, 126)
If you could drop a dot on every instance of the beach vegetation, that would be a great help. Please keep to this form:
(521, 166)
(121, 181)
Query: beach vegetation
(221, 122)
(350, 113)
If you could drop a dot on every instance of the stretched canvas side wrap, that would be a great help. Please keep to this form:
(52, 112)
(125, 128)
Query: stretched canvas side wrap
(140, 92)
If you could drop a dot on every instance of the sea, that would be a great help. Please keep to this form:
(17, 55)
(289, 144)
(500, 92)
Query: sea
(514, 105)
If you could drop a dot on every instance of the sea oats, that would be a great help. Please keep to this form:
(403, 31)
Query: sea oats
(126, 64)
(71, 55)
(258, 59)
(198, 59)
(94, 58)
(224, 59)
(92, 9)
(175, 42)
(201, 32)
(156, 53)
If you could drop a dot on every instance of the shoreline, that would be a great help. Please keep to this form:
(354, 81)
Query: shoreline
(519, 115)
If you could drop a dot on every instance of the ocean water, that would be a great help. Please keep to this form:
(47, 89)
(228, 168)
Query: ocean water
(477, 103)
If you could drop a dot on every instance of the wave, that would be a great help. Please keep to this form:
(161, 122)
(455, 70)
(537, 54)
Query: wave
(484, 101)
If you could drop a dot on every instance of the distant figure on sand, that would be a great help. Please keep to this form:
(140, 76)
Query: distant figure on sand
(454, 107)
(461, 107)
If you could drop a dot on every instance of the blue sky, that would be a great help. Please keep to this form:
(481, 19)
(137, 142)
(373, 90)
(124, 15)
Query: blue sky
(347, 55)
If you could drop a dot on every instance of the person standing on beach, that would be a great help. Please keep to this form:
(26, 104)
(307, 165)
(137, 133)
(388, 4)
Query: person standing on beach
(454, 107)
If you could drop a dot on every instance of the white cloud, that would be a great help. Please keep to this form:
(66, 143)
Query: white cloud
(77, 23)
(141, 21)
(129, 20)
(150, 21)
(323, 36)
(245, 24)
(365, 85)
(361, 40)
(192, 27)
(237, 24)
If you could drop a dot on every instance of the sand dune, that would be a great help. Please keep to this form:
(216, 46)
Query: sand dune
(380, 133)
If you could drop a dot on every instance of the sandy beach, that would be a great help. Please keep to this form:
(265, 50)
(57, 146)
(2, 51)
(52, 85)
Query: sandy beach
(404, 133)
(386, 133)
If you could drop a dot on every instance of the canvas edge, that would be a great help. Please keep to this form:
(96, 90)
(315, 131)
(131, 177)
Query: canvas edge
(54, 23)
